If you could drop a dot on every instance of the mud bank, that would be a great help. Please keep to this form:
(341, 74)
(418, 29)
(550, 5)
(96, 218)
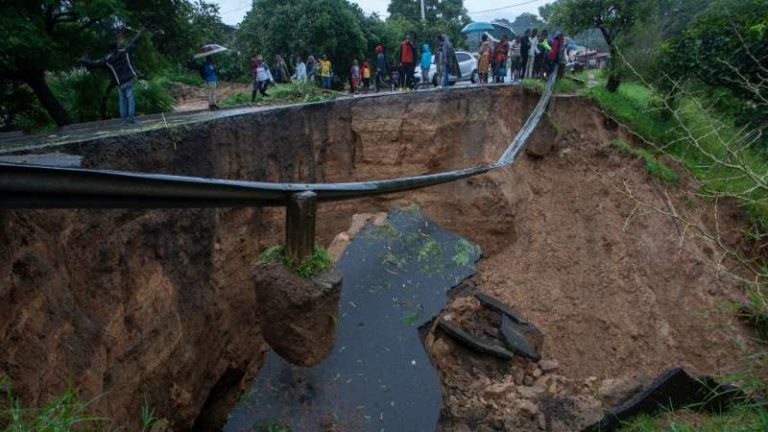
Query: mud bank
(159, 306)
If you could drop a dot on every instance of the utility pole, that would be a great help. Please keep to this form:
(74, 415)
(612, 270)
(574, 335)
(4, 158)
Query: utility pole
(423, 16)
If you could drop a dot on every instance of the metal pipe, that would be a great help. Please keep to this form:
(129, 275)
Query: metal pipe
(32, 186)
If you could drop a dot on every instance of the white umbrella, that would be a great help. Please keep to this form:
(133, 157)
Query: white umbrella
(209, 49)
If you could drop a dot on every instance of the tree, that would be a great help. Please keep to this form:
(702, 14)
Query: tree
(725, 48)
(45, 38)
(442, 16)
(527, 21)
(613, 18)
(42, 36)
(545, 12)
(304, 27)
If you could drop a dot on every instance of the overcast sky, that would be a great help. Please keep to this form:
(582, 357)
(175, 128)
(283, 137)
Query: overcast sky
(233, 11)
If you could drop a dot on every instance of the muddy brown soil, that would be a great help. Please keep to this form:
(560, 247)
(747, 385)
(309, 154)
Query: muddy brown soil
(159, 305)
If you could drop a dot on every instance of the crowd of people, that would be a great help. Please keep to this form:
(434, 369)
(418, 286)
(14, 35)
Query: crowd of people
(532, 55)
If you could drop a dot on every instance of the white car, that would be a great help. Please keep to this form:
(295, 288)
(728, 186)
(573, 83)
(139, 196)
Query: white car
(467, 65)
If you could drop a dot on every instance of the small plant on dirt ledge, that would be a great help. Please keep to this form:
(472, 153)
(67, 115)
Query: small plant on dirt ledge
(315, 264)
(652, 164)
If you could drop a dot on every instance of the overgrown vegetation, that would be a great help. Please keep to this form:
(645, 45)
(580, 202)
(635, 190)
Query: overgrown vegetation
(655, 167)
(741, 419)
(65, 413)
(317, 263)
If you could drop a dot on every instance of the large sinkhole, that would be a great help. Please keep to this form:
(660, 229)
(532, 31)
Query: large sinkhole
(157, 307)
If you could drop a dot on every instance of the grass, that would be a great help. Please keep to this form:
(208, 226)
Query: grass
(283, 94)
(271, 426)
(238, 98)
(63, 414)
(741, 419)
(317, 263)
(655, 167)
(635, 105)
(561, 86)
(688, 136)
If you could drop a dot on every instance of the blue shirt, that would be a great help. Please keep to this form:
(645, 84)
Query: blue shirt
(209, 72)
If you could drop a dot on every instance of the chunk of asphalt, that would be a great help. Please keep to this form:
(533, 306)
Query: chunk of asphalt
(474, 343)
(515, 335)
(674, 389)
(497, 306)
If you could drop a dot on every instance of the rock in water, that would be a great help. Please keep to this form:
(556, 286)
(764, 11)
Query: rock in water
(298, 316)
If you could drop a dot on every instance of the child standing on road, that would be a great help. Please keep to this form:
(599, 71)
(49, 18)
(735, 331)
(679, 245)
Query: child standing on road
(355, 74)
(381, 67)
(366, 73)
(426, 63)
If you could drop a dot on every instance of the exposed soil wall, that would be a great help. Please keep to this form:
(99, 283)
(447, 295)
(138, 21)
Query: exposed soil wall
(159, 305)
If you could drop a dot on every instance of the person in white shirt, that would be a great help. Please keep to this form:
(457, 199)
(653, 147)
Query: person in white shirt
(533, 51)
(301, 71)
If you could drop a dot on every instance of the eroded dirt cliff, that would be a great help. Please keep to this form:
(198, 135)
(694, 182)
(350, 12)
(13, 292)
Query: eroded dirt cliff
(158, 306)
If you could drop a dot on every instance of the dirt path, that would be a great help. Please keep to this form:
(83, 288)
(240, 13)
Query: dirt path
(190, 98)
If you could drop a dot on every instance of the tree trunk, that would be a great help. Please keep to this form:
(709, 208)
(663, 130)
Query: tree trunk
(614, 81)
(614, 72)
(36, 80)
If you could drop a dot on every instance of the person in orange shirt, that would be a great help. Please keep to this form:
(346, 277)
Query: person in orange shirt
(408, 60)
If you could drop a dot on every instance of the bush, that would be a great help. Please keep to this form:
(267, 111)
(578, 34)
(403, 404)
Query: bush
(319, 261)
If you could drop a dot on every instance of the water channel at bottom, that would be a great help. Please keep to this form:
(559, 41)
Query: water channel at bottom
(379, 377)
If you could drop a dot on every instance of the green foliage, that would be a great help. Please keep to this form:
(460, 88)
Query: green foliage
(655, 168)
(49, 36)
(299, 92)
(412, 318)
(148, 418)
(304, 27)
(634, 104)
(614, 19)
(741, 419)
(65, 413)
(756, 309)
(271, 426)
(317, 263)
(463, 251)
(442, 16)
(238, 98)
(430, 250)
(561, 86)
(722, 49)
(524, 21)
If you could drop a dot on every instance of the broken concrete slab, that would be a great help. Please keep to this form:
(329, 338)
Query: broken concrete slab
(474, 343)
(516, 337)
(500, 307)
(672, 390)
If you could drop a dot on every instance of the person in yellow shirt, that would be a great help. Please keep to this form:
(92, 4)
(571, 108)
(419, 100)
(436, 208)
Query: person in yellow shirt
(325, 71)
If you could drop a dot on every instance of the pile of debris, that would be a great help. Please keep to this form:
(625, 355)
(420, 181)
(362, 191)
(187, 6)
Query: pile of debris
(489, 358)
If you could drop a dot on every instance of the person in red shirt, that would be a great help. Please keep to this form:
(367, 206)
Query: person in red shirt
(555, 55)
(408, 60)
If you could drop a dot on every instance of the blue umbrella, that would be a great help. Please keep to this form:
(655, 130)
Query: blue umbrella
(479, 26)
